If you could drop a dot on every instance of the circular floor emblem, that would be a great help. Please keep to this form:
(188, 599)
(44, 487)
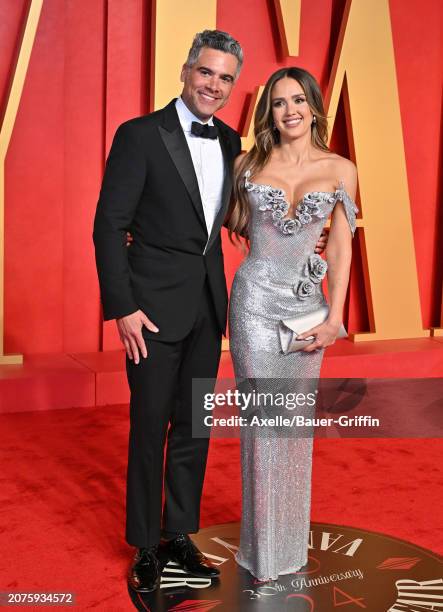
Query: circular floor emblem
(348, 570)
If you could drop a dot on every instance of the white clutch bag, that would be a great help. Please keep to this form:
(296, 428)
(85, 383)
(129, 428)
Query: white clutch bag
(289, 329)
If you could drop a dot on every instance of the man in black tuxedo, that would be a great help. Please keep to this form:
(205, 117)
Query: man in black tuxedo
(168, 181)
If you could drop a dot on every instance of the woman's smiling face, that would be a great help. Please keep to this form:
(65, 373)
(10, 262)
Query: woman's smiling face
(290, 110)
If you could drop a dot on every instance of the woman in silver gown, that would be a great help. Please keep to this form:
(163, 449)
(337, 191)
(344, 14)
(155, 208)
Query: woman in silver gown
(286, 187)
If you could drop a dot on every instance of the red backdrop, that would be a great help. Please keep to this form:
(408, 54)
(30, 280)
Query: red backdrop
(88, 72)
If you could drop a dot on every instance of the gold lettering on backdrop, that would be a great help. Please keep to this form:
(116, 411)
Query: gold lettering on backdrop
(288, 20)
(247, 140)
(364, 69)
(10, 115)
(174, 26)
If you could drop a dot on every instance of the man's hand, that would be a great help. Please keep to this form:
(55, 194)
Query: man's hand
(129, 239)
(130, 331)
(322, 241)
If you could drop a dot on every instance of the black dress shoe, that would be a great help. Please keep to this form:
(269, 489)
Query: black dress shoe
(144, 574)
(182, 550)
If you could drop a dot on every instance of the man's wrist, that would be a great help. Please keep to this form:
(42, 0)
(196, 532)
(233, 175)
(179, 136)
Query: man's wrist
(126, 315)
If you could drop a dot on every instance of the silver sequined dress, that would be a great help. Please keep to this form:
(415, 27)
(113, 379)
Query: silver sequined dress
(280, 277)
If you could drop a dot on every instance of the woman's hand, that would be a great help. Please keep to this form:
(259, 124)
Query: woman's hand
(325, 335)
(129, 239)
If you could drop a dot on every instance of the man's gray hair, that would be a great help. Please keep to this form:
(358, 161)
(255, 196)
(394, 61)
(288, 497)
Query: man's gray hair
(215, 39)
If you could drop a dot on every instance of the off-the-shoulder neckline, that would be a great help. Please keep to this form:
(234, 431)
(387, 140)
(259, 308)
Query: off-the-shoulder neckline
(283, 193)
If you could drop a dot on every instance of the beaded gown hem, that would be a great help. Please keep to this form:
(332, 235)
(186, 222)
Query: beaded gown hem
(250, 569)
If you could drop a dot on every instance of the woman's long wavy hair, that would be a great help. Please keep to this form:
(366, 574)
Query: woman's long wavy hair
(266, 138)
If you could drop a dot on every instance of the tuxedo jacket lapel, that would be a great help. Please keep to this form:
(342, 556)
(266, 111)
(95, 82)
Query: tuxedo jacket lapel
(175, 142)
(227, 183)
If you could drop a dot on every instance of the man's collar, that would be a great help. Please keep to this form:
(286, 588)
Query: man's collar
(186, 117)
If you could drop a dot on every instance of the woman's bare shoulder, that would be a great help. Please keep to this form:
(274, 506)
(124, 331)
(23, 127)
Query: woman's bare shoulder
(341, 170)
(344, 168)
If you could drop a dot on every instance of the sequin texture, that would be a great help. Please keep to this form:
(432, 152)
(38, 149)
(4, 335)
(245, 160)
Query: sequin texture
(280, 278)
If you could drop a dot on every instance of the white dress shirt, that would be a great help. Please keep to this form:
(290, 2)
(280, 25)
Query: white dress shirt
(207, 158)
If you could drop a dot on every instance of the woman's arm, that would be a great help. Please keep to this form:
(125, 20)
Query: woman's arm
(339, 251)
(338, 256)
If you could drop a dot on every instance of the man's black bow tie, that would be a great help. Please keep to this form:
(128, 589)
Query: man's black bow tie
(203, 130)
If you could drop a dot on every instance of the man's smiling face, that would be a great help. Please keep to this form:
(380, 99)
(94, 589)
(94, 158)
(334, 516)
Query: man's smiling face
(207, 84)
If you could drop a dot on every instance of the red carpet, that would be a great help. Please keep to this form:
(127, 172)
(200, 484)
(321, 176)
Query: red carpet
(62, 497)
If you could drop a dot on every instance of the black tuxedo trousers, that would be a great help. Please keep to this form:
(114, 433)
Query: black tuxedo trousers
(161, 411)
